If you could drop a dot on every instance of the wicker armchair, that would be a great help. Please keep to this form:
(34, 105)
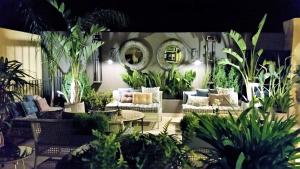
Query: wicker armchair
(55, 138)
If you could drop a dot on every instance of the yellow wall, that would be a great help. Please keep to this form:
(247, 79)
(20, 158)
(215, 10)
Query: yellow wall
(21, 46)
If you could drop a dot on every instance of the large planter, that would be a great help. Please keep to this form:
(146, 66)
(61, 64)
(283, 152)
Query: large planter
(171, 106)
(253, 89)
(75, 108)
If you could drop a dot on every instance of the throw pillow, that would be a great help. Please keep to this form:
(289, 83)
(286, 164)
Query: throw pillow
(197, 101)
(124, 90)
(219, 99)
(28, 98)
(213, 91)
(142, 98)
(186, 95)
(126, 98)
(42, 104)
(155, 93)
(225, 90)
(15, 110)
(202, 92)
(29, 108)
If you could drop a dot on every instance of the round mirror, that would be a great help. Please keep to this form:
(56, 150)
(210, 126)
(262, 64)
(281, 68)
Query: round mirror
(135, 55)
(171, 53)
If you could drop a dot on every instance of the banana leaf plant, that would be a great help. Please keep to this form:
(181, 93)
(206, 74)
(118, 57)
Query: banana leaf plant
(75, 47)
(12, 81)
(248, 69)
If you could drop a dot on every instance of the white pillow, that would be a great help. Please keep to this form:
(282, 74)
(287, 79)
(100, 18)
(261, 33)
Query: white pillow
(225, 90)
(197, 101)
(154, 91)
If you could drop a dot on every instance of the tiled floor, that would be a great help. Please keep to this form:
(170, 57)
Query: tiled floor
(173, 128)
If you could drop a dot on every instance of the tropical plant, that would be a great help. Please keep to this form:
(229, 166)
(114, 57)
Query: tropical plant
(252, 140)
(134, 78)
(225, 79)
(97, 100)
(12, 81)
(172, 82)
(280, 83)
(248, 70)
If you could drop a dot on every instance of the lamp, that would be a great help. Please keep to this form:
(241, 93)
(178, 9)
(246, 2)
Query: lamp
(195, 53)
(113, 52)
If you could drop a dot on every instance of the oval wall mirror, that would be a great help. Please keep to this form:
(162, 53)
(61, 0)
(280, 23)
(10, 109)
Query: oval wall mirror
(134, 55)
(171, 52)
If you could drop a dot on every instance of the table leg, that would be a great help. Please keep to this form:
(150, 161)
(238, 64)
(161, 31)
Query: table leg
(23, 164)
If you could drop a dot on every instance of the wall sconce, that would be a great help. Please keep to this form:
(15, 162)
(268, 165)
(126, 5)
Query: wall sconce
(196, 54)
(113, 53)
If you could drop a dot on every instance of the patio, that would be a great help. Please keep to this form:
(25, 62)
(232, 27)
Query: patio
(129, 86)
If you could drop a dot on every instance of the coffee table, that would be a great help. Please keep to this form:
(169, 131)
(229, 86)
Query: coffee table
(23, 154)
(132, 115)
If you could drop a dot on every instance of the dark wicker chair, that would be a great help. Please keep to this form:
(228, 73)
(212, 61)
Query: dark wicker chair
(55, 138)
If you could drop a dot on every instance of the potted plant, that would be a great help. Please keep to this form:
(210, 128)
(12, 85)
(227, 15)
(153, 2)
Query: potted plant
(247, 69)
(96, 101)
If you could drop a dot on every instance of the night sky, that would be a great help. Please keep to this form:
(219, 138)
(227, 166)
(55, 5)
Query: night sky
(163, 15)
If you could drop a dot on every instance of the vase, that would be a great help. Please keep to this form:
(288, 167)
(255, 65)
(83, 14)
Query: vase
(254, 89)
(75, 108)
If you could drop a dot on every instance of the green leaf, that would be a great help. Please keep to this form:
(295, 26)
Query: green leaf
(260, 26)
(240, 161)
(234, 54)
(238, 39)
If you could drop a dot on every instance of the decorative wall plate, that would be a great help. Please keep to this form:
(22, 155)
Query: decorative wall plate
(134, 55)
(171, 52)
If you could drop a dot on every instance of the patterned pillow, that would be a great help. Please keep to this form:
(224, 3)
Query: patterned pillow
(197, 101)
(219, 99)
(154, 91)
(42, 104)
(142, 98)
(124, 90)
(126, 97)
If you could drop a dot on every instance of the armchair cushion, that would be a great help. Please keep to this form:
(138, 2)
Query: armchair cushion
(42, 104)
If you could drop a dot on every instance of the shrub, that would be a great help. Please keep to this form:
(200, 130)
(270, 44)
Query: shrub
(97, 100)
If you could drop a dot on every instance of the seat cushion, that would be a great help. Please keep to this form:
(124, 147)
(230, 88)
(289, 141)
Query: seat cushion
(153, 107)
(197, 101)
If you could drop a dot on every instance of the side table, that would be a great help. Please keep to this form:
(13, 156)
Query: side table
(23, 153)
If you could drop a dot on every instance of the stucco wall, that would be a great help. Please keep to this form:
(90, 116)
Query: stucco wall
(112, 73)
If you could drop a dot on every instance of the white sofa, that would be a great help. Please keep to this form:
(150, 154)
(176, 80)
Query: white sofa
(186, 108)
(152, 111)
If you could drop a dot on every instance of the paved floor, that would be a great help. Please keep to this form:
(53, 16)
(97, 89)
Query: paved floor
(173, 128)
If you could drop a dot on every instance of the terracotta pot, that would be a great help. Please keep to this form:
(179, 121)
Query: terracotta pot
(75, 108)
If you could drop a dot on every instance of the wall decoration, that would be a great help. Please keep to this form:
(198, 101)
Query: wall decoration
(171, 52)
(134, 55)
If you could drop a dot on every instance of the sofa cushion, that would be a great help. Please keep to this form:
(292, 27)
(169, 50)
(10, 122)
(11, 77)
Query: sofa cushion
(29, 108)
(16, 110)
(202, 92)
(219, 99)
(186, 94)
(142, 98)
(154, 91)
(225, 90)
(197, 101)
(42, 104)
(126, 97)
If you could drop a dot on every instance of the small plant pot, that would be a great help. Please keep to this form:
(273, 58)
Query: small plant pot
(75, 108)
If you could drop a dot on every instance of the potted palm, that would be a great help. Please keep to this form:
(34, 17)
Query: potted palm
(75, 48)
(247, 69)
